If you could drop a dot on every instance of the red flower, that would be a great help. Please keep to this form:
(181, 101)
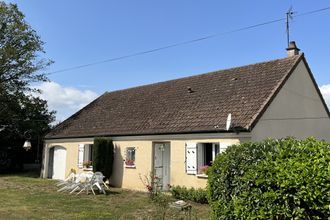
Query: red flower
(149, 188)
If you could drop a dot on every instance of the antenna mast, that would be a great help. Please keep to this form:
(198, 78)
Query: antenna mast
(288, 18)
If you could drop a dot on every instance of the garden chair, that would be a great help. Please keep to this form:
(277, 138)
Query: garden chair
(68, 186)
(96, 180)
(75, 184)
(70, 179)
(83, 180)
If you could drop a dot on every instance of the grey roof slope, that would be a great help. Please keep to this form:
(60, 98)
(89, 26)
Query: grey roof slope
(193, 104)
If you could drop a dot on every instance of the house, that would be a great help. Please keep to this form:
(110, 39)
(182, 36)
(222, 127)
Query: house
(177, 127)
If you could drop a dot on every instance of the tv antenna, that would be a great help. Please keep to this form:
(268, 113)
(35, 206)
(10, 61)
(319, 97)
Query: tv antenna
(288, 18)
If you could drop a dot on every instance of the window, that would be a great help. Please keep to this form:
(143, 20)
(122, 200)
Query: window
(88, 153)
(206, 153)
(85, 156)
(130, 157)
(200, 156)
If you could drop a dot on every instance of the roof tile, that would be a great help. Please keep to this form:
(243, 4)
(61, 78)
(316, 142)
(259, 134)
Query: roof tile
(171, 107)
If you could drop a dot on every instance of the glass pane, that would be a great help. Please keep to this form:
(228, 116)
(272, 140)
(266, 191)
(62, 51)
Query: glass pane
(216, 149)
(130, 156)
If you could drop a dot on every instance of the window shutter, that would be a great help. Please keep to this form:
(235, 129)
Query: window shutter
(81, 155)
(191, 158)
(223, 147)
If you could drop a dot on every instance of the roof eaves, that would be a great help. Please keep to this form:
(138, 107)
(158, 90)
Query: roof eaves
(237, 130)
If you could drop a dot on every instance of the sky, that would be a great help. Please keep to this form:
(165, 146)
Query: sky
(81, 32)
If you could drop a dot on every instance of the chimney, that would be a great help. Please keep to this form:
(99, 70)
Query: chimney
(292, 50)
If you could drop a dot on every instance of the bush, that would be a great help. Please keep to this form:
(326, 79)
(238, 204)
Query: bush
(103, 156)
(273, 179)
(196, 195)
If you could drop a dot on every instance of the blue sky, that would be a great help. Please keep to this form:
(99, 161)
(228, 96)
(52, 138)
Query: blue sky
(78, 32)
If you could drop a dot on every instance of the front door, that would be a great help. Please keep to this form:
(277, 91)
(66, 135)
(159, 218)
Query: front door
(59, 162)
(162, 164)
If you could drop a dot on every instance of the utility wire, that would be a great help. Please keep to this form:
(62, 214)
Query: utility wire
(186, 42)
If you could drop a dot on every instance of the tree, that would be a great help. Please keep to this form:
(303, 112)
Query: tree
(21, 113)
(20, 50)
(103, 156)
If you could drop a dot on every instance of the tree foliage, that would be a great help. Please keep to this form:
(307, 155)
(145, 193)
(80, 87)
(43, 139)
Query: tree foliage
(21, 64)
(103, 155)
(20, 51)
(273, 179)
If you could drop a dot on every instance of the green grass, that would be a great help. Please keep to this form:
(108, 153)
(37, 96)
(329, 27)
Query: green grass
(29, 197)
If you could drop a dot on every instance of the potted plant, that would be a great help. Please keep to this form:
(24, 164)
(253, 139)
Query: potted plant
(129, 163)
(87, 164)
(204, 169)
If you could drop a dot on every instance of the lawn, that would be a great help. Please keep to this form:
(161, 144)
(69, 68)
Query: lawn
(29, 197)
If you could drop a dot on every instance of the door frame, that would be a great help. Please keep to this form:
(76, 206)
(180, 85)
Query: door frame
(168, 143)
(50, 162)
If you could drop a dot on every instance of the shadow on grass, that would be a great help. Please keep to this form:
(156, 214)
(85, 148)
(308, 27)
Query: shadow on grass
(30, 174)
(109, 192)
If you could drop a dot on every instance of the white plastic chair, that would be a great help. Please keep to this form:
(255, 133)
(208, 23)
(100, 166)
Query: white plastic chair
(96, 180)
(82, 181)
(70, 179)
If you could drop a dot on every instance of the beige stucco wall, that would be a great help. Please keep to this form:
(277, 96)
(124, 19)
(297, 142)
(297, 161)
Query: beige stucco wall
(130, 177)
(178, 175)
(71, 154)
(291, 111)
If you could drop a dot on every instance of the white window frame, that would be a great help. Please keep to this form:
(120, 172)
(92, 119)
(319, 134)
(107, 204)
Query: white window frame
(84, 157)
(201, 154)
(217, 148)
(133, 149)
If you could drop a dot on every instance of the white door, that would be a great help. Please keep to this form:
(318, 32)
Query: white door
(59, 162)
(162, 164)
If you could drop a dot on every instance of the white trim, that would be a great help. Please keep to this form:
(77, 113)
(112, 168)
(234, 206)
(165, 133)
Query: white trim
(80, 159)
(163, 137)
(202, 176)
(88, 169)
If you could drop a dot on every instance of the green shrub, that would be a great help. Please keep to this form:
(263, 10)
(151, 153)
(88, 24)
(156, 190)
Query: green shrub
(273, 179)
(103, 156)
(196, 195)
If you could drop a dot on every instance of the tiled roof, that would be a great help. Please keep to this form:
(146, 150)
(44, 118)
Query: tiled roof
(199, 103)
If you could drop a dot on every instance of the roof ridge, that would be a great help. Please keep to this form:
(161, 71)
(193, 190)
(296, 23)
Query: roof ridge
(202, 74)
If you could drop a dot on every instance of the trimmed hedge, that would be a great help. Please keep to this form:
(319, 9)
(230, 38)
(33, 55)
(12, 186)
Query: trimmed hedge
(273, 179)
(103, 156)
(196, 195)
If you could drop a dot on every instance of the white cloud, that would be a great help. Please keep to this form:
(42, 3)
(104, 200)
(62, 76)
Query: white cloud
(65, 100)
(325, 90)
